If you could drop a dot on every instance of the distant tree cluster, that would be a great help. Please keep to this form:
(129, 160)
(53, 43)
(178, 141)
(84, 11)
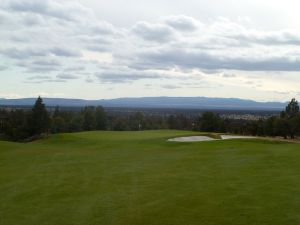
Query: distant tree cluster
(285, 125)
(21, 125)
(211, 122)
(90, 118)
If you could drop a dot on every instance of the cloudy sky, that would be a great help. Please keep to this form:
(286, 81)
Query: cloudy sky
(96, 49)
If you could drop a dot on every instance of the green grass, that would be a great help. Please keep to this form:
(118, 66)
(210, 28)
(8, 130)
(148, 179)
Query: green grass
(127, 178)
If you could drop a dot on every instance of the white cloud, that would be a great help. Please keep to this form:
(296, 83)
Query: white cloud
(55, 41)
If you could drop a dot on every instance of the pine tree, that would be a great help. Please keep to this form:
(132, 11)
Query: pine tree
(89, 120)
(100, 118)
(292, 108)
(291, 115)
(39, 121)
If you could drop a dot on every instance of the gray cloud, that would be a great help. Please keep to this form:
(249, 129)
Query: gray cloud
(97, 43)
(125, 76)
(284, 37)
(40, 77)
(228, 75)
(75, 68)
(45, 81)
(97, 48)
(66, 52)
(183, 23)
(202, 85)
(55, 9)
(44, 62)
(282, 92)
(41, 69)
(23, 53)
(102, 28)
(170, 86)
(153, 32)
(89, 79)
(33, 20)
(2, 68)
(28, 6)
(171, 58)
(65, 76)
(43, 65)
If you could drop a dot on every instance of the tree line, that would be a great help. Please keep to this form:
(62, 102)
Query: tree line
(22, 125)
(286, 125)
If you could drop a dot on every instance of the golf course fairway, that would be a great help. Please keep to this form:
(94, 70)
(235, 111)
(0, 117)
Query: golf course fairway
(129, 178)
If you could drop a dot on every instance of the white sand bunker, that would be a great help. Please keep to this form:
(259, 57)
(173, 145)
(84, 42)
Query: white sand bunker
(192, 139)
(205, 138)
(226, 137)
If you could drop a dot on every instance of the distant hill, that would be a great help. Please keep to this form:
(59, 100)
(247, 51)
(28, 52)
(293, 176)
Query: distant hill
(156, 102)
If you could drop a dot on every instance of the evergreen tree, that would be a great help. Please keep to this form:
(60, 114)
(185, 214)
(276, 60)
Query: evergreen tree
(292, 108)
(210, 122)
(172, 123)
(291, 115)
(56, 112)
(16, 126)
(89, 120)
(39, 121)
(281, 127)
(76, 123)
(100, 118)
(58, 123)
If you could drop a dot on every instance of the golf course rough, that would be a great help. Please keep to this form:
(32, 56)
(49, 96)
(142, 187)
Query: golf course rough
(140, 178)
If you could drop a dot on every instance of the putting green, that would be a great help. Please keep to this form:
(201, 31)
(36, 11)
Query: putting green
(140, 178)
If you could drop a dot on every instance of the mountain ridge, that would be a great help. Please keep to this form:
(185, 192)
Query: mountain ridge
(155, 102)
